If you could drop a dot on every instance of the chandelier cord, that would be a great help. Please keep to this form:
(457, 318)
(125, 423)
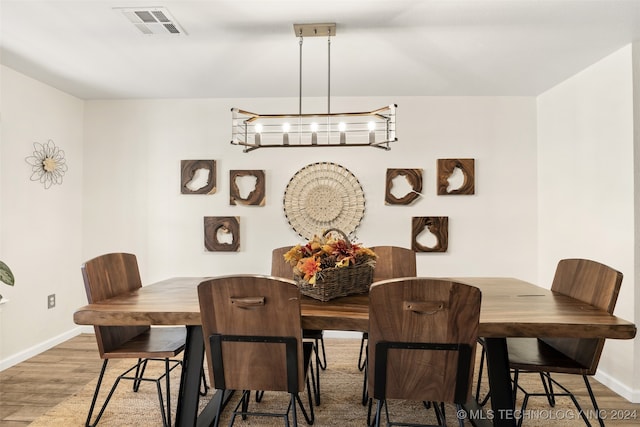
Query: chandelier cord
(329, 72)
(300, 79)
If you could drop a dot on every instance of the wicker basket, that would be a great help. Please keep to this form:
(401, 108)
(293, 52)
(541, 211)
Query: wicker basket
(338, 282)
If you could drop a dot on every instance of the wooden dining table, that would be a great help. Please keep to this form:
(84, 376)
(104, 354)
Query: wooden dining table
(510, 308)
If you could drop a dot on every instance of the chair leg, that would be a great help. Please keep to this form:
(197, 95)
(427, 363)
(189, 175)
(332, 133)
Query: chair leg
(378, 412)
(362, 357)
(460, 419)
(310, 416)
(221, 393)
(516, 374)
(95, 394)
(322, 362)
(483, 355)
(168, 390)
(293, 409)
(440, 415)
(365, 397)
(593, 400)
(140, 367)
(548, 388)
(316, 382)
(204, 386)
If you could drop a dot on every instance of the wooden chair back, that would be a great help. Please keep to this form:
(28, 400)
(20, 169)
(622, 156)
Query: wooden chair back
(423, 311)
(280, 267)
(596, 284)
(394, 262)
(251, 306)
(105, 277)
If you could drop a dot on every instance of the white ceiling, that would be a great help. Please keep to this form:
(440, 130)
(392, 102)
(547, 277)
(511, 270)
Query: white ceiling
(247, 48)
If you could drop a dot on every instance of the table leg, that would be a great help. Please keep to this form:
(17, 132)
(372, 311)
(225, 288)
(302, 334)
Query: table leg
(189, 395)
(502, 405)
(187, 411)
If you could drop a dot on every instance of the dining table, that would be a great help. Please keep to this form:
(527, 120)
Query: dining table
(510, 308)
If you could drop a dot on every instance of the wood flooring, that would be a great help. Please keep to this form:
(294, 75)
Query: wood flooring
(31, 388)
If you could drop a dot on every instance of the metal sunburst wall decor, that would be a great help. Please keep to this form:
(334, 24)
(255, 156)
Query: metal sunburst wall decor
(48, 164)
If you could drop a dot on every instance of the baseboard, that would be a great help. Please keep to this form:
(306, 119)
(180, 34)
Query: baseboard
(342, 334)
(616, 386)
(43, 346)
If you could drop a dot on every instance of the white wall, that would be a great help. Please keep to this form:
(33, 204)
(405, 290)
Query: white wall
(132, 199)
(586, 187)
(41, 229)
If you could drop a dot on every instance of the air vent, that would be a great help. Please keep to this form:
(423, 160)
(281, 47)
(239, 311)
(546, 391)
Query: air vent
(156, 20)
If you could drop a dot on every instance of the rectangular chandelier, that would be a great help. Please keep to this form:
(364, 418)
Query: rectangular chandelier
(376, 128)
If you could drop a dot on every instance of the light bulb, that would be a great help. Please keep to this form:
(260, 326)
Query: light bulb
(257, 137)
(286, 127)
(314, 133)
(342, 127)
(372, 132)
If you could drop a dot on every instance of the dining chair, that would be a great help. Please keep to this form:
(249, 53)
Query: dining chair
(252, 330)
(392, 262)
(281, 268)
(108, 276)
(422, 335)
(593, 283)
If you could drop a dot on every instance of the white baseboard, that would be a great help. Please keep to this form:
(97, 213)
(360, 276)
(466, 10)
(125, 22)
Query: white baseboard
(616, 386)
(342, 334)
(39, 348)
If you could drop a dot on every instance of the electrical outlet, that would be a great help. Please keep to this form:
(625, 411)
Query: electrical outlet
(51, 301)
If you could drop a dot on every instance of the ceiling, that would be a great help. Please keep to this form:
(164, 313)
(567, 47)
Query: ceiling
(248, 48)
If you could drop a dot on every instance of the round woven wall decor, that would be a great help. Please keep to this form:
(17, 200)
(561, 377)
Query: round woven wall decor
(321, 196)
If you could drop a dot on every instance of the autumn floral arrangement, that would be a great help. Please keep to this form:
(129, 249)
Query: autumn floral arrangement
(332, 261)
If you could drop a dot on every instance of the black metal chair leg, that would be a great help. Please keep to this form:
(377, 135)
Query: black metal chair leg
(204, 387)
(95, 394)
(362, 357)
(322, 361)
(168, 390)
(365, 397)
(104, 405)
(316, 382)
(378, 412)
(458, 413)
(593, 400)
(548, 388)
(308, 416)
(140, 367)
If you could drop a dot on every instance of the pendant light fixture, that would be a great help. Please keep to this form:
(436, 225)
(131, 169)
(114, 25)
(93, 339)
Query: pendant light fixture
(376, 128)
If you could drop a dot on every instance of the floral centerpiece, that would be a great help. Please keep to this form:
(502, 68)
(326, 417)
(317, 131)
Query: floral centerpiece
(327, 267)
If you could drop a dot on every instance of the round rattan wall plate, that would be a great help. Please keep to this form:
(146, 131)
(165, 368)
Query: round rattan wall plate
(321, 196)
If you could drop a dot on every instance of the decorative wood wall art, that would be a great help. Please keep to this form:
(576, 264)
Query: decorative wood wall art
(437, 228)
(222, 233)
(256, 197)
(48, 163)
(447, 168)
(198, 176)
(321, 196)
(414, 179)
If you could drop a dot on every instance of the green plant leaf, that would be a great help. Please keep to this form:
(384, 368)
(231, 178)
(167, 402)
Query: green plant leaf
(6, 275)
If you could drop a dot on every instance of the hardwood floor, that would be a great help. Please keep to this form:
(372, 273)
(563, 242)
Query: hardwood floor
(31, 388)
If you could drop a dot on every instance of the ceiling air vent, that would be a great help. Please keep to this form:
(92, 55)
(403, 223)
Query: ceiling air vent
(155, 20)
